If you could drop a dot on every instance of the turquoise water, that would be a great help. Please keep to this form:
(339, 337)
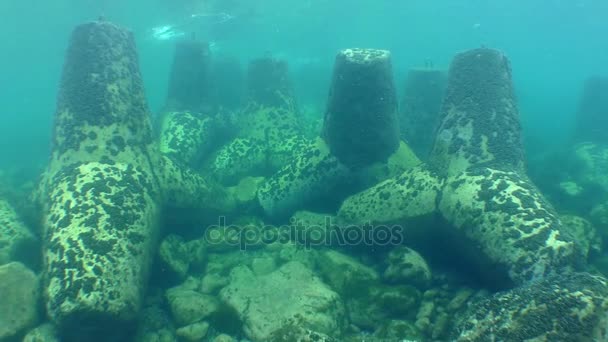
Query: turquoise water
(135, 234)
(553, 46)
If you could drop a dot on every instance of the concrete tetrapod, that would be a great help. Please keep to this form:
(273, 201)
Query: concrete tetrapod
(103, 189)
(475, 178)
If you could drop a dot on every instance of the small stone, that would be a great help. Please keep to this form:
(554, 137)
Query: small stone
(440, 326)
(174, 254)
(193, 332)
(345, 274)
(398, 301)
(188, 306)
(406, 266)
(398, 330)
(459, 300)
(43, 333)
(223, 338)
(212, 283)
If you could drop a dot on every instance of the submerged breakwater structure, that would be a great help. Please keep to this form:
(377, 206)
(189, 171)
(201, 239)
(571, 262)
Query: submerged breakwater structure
(226, 220)
(421, 107)
(103, 190)
(475, 177)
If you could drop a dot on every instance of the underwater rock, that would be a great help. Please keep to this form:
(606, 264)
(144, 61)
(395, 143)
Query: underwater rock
(17, 243)
(212, 283)
(588, 164)
(479, 117)
(599, 215)
(345, 274)
(223, 338)
(309, 218)
(511, 221)
(361, 125)
(269, 127)
(592, 116)
(193, 332)
(439, 307)
(406, 266)
(421, 107)
(43, 333)
(263, 265)
(180, 256)
(398, 330)
(186, 136)
(292, 252)
(19, 296)
(562, 307)
(310, 175)
(583, 233)
(266, 303)
(369, 304)
(173, 253)
(189, 84)
(293, 331)
(396, 301)
(155, 325)
(190, 306)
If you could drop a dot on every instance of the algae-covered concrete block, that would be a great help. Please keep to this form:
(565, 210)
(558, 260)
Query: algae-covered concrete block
(564, 307)
(479, 118)
(412, 194)
(361, 125)
(511, 221)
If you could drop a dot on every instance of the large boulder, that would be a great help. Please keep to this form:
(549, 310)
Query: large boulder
(19, 296)
(17, 243)
(268, 303)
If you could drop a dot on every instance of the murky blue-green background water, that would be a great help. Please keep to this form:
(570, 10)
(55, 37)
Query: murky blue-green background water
(553, 45)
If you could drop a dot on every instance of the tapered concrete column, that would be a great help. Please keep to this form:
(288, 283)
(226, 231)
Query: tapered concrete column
(361, 125)
(479, 119)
